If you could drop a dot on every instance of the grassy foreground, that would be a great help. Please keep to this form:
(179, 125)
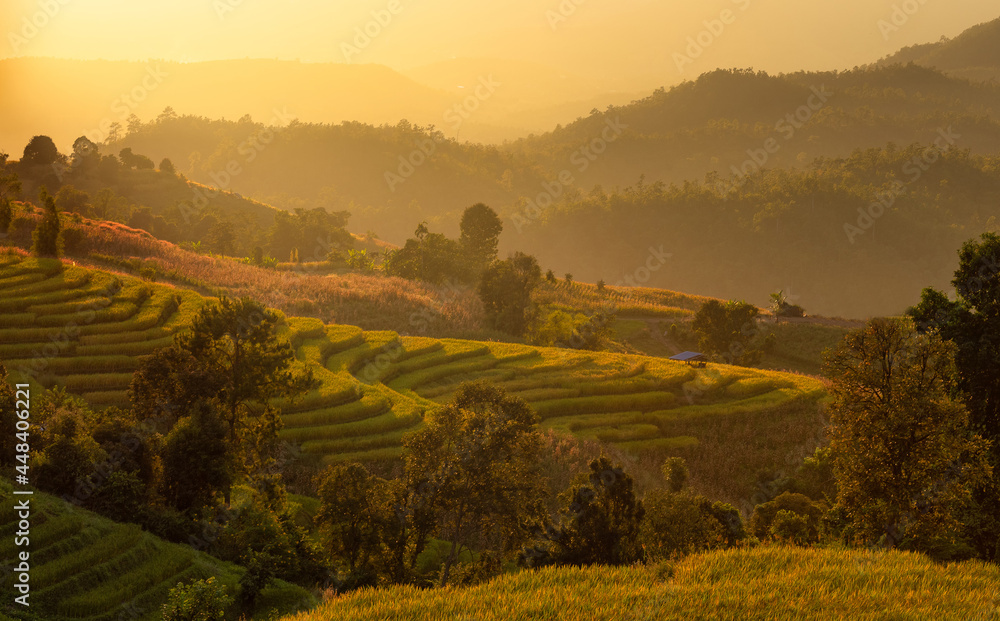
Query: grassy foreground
(761, 583)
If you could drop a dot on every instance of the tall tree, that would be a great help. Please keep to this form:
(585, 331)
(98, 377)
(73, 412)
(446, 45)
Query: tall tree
(481, 228)
(478, 456)
(236, 341)
(86, 155)
(904, 457)
(40, 151)
(45, 239)
(505, 290)
(232, 355)
(349, 515)
(197, 462)
(600, 521)
(6, 215)
(972, 322)
(727, 330)
(10, 188)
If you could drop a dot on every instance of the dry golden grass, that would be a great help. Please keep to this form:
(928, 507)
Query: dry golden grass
(371, 301)
(775, 583)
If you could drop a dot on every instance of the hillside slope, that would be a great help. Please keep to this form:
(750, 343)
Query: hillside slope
(974, 54)
(761, 583)
(86, 567)
(716, 122)
(86, 330)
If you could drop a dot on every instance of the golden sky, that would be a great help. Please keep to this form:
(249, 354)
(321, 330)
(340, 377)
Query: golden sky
(597, 38)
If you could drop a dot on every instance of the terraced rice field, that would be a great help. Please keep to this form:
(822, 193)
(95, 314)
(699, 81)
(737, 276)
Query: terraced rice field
(84, 566)
(86, 330)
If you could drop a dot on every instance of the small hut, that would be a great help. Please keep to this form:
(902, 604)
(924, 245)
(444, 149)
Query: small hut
(693, 358)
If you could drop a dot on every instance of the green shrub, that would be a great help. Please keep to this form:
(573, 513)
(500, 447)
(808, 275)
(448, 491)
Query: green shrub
(791, 527)
(675, 472)
(202, 600)
(122, 497)
(762, 522)
(683, 523)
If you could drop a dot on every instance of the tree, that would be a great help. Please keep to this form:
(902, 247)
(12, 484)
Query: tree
(133, 124)
(237, 342)
(481, 228)
(763, 525)
(976, 330)
(231, 354)
(904, 457)
(201, 600)
(781, 307)
(433, 258)
(86, 155)
(40, 151)
(65, 451)
(727, 330)
(197, 462)
(265, 537)
(681, 522)
(10, 186)
(221, 238)
(478, 460)
(166, 166)
(6, 215)
(972, 323)
(69, 199)
(170, 381)
(348, 515)
(114, 133)
(675, 473)
(600, 522)
(505, 290)
(167, 115)
(305, 229)
(45, 238)
(134, 160)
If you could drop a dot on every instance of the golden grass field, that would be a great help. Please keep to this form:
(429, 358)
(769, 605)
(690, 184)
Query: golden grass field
(774, 583)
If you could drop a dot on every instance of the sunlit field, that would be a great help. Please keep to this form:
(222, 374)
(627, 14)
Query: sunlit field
(378, 385)
(541, 309)
(772, 583)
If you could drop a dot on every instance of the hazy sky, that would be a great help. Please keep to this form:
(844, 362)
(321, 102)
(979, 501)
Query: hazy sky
(600, 38)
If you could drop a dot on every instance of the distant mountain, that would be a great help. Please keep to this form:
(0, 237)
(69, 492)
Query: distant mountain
(518, 97)
(738, 121)
(523, 95)
(69, 98)
(974, 54)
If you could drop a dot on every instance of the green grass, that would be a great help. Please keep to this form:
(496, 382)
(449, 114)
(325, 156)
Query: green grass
(84, 566)
(799, 346)
(774, 583)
